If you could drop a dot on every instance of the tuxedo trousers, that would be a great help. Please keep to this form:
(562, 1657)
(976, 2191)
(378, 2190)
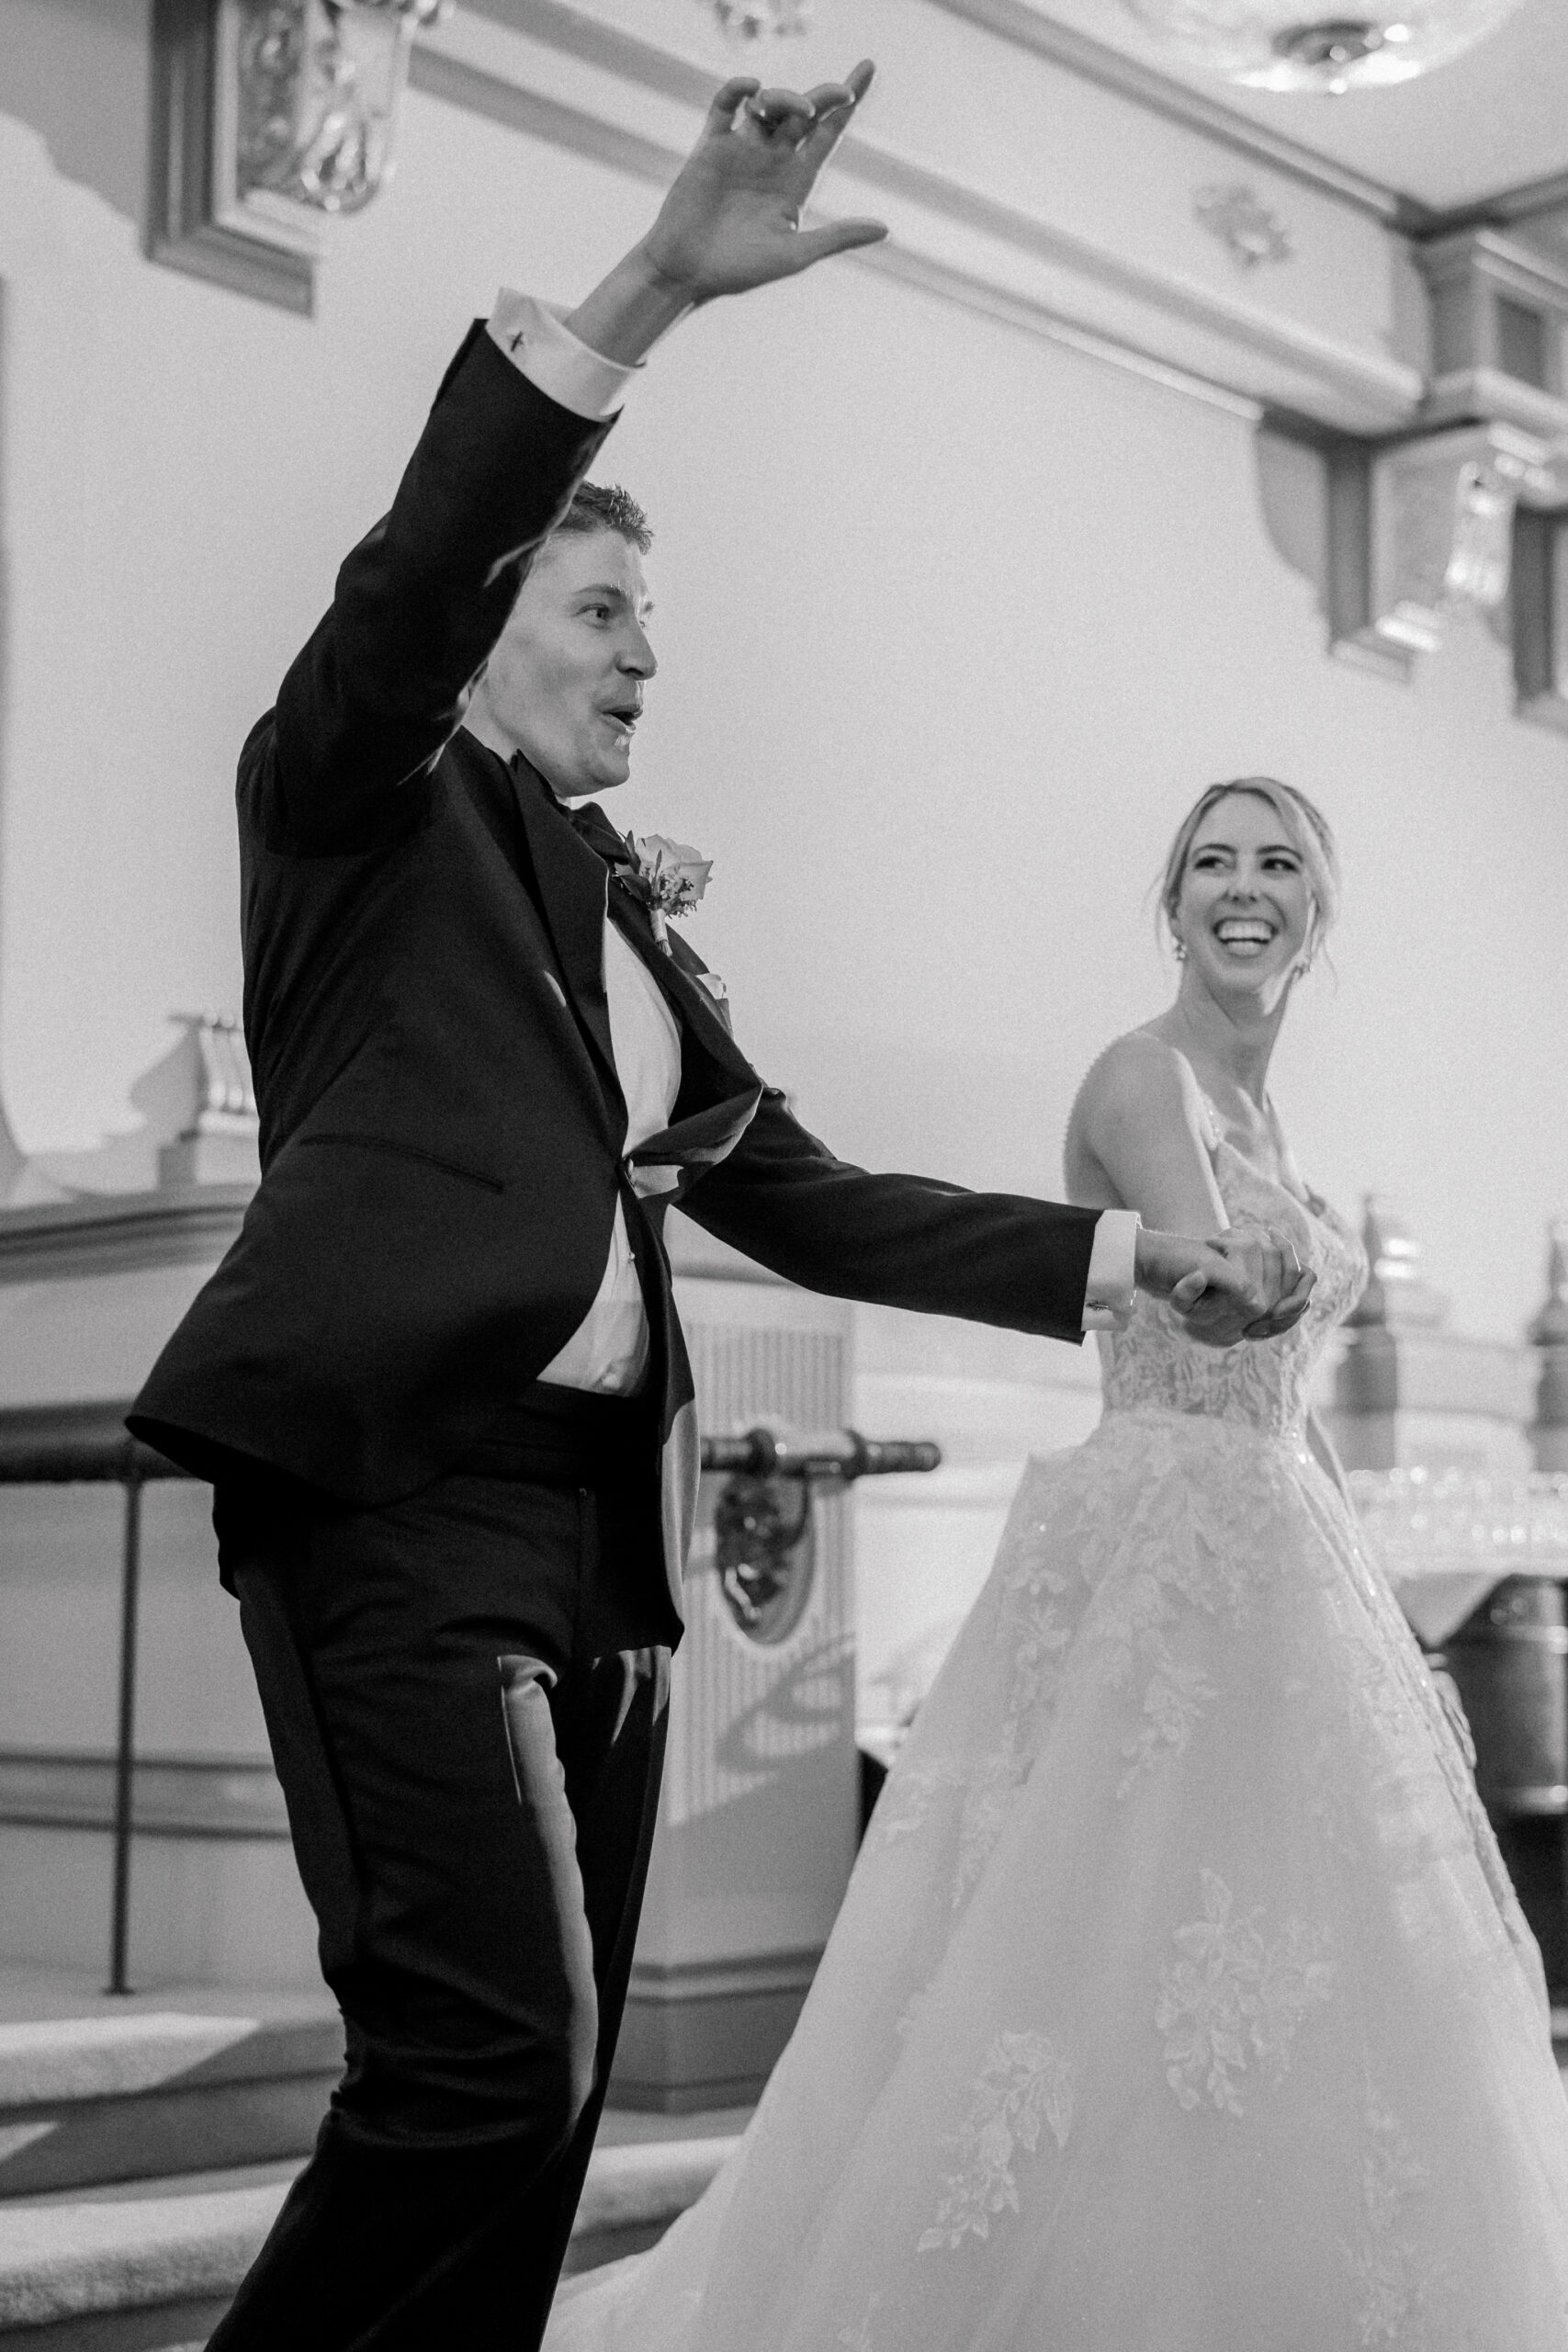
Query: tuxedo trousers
(467, 1696)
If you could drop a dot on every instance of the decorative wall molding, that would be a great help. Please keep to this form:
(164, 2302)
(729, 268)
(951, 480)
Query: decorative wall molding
(175, 1796)
(1499, 312)
(646, 159)
(1250, 233)
(1539, 601)
(1101, 297)
(969, 291)
(189, 227)
(1424, 527)
(1333, 341)
(121, 1233)
(751, 20)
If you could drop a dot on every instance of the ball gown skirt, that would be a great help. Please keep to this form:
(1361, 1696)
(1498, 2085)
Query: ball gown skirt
(1179, 2001)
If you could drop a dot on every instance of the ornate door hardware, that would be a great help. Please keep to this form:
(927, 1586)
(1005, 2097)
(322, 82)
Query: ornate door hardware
(763, 1540)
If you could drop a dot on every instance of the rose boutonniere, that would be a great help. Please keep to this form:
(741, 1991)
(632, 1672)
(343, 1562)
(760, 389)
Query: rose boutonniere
(668, 876)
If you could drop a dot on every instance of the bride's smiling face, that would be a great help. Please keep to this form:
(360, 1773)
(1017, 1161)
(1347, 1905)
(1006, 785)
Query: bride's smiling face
(1244, 914)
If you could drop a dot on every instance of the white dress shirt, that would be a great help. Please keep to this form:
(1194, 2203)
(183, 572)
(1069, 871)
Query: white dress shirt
(608, 1351)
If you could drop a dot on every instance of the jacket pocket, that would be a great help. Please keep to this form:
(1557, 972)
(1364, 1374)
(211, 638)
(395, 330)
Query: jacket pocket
(401, 1151)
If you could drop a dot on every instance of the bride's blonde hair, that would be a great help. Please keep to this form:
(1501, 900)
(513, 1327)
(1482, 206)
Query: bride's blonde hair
(1305, 826)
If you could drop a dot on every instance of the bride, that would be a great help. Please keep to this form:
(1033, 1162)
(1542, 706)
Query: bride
(1179, 2002)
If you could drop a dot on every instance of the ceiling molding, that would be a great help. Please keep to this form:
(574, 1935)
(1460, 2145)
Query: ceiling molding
(1375, 387)
(577, 34)
(517, 108)
(972, 292)
(586, 38)
(1509, 208)
(1096, 60)
(1093, 60)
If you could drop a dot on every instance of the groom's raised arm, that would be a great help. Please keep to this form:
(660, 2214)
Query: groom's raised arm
(384, 680)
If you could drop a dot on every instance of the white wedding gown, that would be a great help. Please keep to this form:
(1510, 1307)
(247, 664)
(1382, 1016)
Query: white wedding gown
(1179, 2002)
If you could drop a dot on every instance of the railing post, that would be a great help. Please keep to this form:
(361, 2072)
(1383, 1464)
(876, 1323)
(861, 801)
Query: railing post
(125, 1741)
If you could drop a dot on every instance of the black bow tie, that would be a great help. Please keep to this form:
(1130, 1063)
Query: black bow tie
(587, 820)
(590, 824)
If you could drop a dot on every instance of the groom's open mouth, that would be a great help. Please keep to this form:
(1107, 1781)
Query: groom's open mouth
(623, 716)
(1245, 935)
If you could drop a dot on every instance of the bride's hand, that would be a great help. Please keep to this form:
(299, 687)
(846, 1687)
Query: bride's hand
(1233, 1287)
(1272, 1251)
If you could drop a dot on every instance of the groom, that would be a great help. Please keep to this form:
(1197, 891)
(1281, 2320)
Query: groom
(439, 1381)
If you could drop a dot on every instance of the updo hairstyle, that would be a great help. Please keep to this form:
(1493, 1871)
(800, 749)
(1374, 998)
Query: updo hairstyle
(1304, 825)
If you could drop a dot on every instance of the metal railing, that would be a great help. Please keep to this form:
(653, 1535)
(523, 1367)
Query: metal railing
(90, 1445)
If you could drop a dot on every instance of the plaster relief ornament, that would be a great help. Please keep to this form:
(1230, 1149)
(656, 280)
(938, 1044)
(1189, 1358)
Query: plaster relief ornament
(320, 86)
(746, 20)
(1249, 232)
(1297, 45)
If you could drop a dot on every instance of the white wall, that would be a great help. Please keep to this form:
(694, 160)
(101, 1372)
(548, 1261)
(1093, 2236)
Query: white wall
(953, 624)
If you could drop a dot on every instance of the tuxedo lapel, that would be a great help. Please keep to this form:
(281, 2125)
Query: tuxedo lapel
(571, 880)
(699, 1016)
(719, 1091)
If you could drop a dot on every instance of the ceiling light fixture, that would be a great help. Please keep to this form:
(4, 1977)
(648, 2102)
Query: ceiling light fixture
(1289, 45)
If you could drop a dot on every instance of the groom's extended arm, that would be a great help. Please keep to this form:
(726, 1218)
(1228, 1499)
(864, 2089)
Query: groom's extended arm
(384, 680)
(893, 1240)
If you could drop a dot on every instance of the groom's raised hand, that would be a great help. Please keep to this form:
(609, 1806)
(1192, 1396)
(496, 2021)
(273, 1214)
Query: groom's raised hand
(1237, 1286)
(731, 221)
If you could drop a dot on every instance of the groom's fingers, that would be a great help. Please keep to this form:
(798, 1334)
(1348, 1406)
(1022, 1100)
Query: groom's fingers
(1244, 1276)
(839, 237)
(771, 111)
(1288, 1312)
(727, 100)
(836, 105)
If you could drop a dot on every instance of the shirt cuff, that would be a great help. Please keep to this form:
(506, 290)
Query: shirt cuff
(554, 361)
(1112, 1272)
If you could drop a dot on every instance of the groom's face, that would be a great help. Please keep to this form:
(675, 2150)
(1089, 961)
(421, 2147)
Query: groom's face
(566, 680)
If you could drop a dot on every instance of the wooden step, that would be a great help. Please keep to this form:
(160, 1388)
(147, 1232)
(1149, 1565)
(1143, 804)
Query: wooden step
(148, 2273)
(144, 2092)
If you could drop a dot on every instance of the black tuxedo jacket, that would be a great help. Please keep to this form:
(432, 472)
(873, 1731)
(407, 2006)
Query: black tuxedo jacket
(442, 1130)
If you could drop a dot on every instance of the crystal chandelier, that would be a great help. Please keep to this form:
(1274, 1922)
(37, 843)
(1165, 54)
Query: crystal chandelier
(1297, 45)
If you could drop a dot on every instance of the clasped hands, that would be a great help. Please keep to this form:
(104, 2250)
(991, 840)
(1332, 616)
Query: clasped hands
(1237, 1286)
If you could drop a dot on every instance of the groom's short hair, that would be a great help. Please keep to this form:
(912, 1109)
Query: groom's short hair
(605, 506)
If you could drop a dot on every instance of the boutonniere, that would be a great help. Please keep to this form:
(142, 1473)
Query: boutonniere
(668, 876)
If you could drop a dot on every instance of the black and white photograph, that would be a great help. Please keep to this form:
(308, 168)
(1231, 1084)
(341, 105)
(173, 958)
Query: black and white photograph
(783, 1176)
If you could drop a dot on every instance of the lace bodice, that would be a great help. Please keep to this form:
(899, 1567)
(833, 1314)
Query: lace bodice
(1267, 1385)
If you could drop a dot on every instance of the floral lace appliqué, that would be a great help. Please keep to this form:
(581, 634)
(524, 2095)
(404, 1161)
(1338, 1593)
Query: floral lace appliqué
(857, 2337)
(1236, 1998)
(906, 1801)
(1154, 1361)
(1395, 2295)
(1025, 2087)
